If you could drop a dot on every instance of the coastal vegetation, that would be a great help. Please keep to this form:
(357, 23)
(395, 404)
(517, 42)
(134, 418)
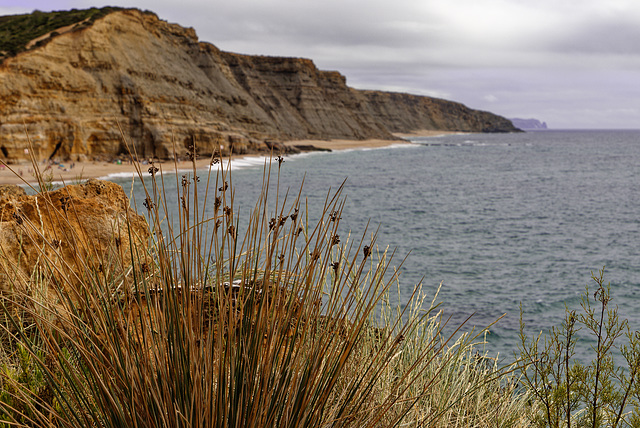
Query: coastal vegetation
(267, 318)
(603, 392)
(16, 31)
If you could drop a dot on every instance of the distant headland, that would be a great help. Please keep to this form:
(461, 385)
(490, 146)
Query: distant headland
(528, 124)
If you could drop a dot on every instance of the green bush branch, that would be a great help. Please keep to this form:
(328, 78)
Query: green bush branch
(574, 394)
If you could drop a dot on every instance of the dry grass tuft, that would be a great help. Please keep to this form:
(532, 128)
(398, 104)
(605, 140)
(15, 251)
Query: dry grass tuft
(211, 323)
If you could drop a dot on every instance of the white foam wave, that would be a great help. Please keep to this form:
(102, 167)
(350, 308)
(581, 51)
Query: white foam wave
(255, 161)
(248, 162)
(128, 174)
(369, 149)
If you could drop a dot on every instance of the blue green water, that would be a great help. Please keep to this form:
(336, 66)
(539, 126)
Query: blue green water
(502, 220)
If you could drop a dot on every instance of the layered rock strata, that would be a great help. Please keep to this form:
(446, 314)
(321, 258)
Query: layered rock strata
(130, 82)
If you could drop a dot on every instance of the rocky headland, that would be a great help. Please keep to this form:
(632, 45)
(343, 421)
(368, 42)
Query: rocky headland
(129, 81)
(529, 124)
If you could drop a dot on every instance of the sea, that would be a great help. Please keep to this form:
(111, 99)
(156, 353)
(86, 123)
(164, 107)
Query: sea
(509, 224)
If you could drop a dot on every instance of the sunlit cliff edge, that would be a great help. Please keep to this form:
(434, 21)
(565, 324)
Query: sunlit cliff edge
(85, 88)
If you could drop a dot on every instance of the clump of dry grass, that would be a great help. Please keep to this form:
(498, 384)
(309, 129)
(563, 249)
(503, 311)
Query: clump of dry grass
(270, 322)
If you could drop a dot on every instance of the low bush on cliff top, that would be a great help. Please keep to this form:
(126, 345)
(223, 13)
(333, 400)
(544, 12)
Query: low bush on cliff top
(16, 31)
(288, 323)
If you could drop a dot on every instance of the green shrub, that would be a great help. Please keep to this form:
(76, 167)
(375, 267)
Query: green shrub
(569, 392)
(16, 31)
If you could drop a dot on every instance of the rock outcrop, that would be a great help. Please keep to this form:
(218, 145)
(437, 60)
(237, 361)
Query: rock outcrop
(130, 81)
(528, 123)
(54, 239)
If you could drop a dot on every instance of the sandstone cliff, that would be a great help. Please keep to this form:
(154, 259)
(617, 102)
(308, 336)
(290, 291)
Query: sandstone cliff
(406, 112)
(54, 238)
(128, 76)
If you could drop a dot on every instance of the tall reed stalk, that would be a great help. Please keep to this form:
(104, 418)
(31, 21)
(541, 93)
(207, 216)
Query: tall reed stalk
(287, 324)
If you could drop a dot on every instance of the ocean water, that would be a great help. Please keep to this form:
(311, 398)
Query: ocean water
(502, 220)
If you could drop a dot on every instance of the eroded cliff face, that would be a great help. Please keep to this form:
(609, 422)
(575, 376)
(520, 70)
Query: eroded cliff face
(63, 235)
(130, 72)
(304, 102)
(134, 82)
(405, 112)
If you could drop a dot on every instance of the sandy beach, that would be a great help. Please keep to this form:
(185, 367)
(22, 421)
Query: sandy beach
(347, 144)
(79, 171)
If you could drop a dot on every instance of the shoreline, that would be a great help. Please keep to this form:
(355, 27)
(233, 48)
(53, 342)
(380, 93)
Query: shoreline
(426, 133)
(338, 145)
(74, 172)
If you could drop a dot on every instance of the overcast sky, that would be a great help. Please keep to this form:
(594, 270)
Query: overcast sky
(571, 63)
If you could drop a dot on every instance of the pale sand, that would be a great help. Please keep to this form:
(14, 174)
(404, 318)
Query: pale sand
(84, 170)
(369, 144)
(346, 144)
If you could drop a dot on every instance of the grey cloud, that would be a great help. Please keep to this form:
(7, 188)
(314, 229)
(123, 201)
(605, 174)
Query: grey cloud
(618, 36)
(288, 24)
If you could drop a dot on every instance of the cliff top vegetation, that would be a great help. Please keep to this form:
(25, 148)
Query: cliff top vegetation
(16, 31)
